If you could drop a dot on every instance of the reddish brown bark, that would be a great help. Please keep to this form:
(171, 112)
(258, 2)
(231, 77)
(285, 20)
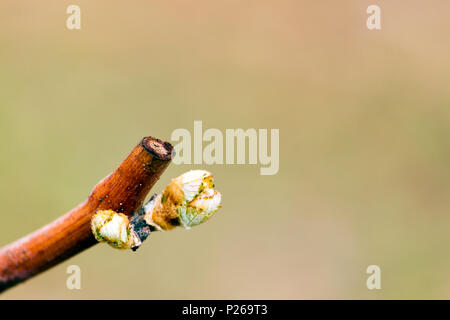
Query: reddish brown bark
(122, 191)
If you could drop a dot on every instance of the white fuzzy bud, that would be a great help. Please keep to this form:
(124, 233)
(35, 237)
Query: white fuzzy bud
(189, 199)
(113, 228)
(203, 207)
(194, 182)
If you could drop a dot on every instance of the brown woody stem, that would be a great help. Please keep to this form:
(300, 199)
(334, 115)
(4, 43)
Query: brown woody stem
(122, 191)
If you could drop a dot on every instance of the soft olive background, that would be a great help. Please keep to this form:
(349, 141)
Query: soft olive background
(364, 119)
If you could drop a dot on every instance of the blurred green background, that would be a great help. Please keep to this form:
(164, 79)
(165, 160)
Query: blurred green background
(364, 119)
